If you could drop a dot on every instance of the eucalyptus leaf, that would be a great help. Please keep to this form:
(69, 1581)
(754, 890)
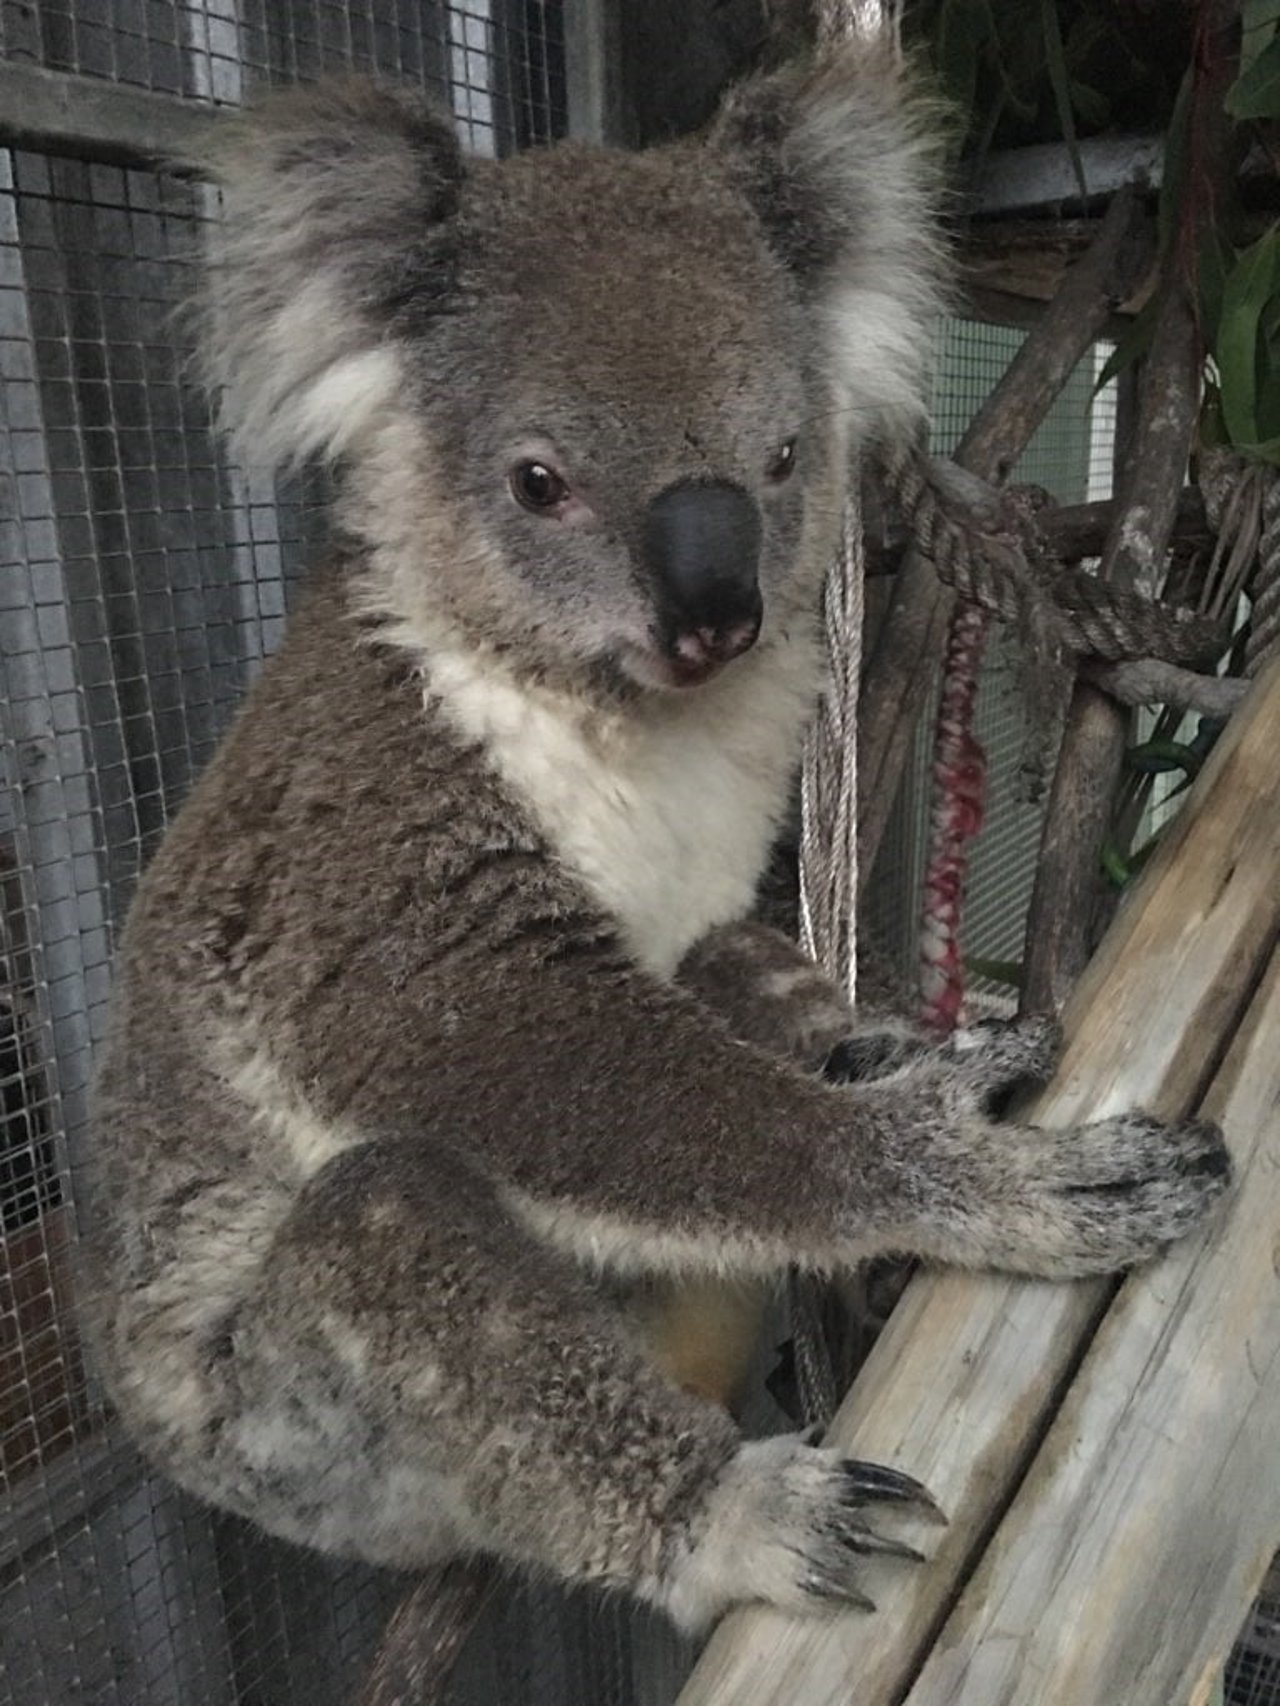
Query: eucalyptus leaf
(1174, 176)
(1092, 105)
(1115, 866)
(1268, 408)
(1258, 21)
(1060, 79)
(1132, 345)
(1249, 286)
(1213, 429)
(1157, 757)
(1256, 92)
(1265, 450)
(1212, 280)
(995, 971)
(959, 35)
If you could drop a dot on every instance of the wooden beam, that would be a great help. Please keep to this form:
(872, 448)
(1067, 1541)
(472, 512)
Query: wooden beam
(1043, 174)
(591, 33)
(56, 112)
(1124, 1567)
(970, 1370)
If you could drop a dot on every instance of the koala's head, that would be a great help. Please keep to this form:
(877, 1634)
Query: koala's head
(594, 409)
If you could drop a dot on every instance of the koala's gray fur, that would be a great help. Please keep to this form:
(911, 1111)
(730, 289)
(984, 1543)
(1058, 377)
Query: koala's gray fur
(400, 1061)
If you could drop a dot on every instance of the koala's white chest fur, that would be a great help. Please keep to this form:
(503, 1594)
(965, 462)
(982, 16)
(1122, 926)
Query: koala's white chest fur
(665, 814)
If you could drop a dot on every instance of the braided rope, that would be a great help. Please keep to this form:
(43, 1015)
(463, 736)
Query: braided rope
(992, 556)
(829, 775)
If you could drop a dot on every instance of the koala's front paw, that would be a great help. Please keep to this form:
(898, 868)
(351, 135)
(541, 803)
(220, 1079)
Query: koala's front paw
(992, 1057)
(872, 1054)
(785, 1524)
(1056, 1204)
(1120, 1190)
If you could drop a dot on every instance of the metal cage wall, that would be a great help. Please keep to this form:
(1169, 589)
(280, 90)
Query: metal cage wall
(143, 580)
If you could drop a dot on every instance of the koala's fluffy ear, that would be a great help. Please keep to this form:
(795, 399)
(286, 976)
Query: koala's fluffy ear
(841, 159)
(337, 204)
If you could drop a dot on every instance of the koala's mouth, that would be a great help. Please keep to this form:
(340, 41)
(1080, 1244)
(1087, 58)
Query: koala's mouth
(691, 657)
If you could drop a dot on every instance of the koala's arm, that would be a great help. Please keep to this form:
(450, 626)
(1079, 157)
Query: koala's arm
(625, 1125)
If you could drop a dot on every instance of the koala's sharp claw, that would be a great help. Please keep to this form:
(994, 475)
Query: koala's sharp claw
(842, 1593)
(867, 1481)
(866, 1540)
(1213, 1160)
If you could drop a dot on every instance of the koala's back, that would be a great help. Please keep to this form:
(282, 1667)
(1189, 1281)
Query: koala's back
(338, 822)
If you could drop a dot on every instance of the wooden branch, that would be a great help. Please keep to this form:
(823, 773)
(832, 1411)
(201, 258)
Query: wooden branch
(1025, 261)
(1067, 889)
(1151, 681)
(898, 677)
(1075, 531)
(1071, 532)
(960, 1386)
(1123, 1568)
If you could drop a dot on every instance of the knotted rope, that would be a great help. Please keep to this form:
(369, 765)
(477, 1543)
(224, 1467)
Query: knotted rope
(986, 544)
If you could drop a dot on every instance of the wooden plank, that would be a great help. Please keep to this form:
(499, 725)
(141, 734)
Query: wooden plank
(1125, 1565)
(962, 1383)
(58, 112)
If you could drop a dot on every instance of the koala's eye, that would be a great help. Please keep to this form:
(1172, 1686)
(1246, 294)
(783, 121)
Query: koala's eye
(782, 463)
(537, 487)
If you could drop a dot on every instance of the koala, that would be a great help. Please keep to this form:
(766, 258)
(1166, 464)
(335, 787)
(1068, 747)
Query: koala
(439, 1017)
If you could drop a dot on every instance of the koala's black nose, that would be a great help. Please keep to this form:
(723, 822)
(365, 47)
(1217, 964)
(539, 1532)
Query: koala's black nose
(702, 548)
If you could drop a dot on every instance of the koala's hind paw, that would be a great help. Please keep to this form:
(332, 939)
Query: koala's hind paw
(785, 1524)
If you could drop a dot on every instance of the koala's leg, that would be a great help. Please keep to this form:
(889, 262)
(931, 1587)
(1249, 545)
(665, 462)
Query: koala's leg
(415, 1374)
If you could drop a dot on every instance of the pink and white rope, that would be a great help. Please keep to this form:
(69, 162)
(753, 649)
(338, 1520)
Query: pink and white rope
(959, 799)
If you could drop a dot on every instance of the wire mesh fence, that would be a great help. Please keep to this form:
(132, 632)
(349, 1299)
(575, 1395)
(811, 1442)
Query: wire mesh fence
(500, 61)
(143, 581)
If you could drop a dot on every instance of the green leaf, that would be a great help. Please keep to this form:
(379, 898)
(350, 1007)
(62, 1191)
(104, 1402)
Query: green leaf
(1212, 279)
(1060, 80)
(1115, 867)
(1246, 292)
(1256, 92)
(1175, 164)
(1256, 17)
(1213, 429)
(1158, 757)
(1132, 346)
(1092, 105)
(1269, 401)
(960, 33)
(1264, 450)
(995, 971)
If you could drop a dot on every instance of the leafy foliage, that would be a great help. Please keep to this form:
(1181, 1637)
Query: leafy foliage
(1029, 70)
(1054, 70)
